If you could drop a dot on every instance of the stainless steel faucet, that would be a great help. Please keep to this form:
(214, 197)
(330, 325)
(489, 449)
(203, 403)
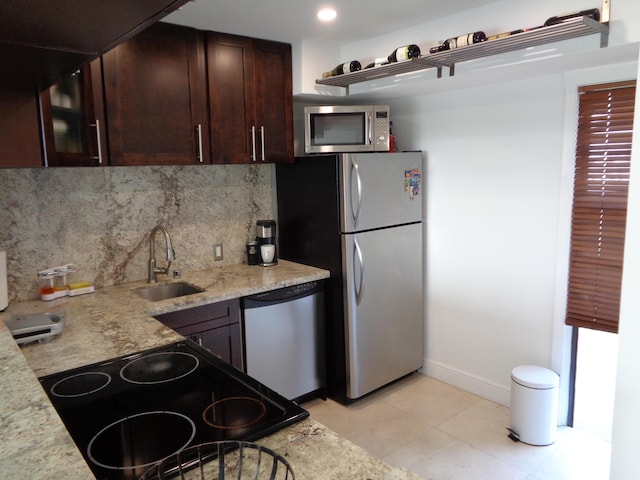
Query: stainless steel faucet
(171, 255)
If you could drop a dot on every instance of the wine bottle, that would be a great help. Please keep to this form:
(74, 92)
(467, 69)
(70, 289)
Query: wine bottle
(392, 139)
(378, 62)
(437, 48)
(470, 39)
(404, 53)
(460, 41)
(449, 44)
(343, 68)
(593, 13)
(502, 35)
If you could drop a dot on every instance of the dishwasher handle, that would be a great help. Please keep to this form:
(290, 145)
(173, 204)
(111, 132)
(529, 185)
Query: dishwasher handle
(274, 297)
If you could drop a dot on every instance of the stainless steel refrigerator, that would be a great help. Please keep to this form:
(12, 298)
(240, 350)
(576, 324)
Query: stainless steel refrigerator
(360, 216)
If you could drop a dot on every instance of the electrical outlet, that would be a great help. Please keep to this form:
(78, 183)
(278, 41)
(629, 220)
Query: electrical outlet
(217, 251)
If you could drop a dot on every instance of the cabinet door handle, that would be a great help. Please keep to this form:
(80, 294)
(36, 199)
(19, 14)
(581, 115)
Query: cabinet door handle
(199, 134)
(253, 143)
(264, 158)
(98, 139)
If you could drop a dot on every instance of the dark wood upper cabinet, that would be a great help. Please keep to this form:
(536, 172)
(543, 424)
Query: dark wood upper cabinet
(230, 64)
(19, 129)
(274, 99)
(250, 99)
(156, 98)
(171, 95)
(73, 120)
(44, 40)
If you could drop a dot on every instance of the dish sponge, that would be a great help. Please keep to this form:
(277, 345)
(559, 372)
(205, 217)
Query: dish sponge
(80, 288)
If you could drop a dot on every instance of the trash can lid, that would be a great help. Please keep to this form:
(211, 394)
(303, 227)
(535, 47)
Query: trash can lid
(535, 377)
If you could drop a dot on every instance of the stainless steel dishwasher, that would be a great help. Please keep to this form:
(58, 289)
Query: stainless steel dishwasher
(284, 340)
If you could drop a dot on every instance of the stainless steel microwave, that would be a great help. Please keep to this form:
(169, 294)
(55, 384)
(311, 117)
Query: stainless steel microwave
(355, 128)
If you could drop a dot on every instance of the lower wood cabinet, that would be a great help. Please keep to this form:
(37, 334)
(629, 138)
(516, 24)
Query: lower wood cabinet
(215, 327)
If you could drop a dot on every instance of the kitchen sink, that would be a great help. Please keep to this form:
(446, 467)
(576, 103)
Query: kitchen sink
(168, 290)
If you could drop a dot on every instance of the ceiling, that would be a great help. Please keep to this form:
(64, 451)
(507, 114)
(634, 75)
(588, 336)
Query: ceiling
(293, 20)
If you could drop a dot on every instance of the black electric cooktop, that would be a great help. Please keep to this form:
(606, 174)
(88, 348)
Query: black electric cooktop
(127, 413)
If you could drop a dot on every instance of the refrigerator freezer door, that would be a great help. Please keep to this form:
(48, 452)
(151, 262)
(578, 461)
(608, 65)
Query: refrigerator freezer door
(384, 323)
(380, 190)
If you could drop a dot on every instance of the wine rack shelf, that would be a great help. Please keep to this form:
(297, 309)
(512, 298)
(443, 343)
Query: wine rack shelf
(575, 27)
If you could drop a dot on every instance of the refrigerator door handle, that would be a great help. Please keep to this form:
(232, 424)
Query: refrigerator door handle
(355, 173)
(357, 256)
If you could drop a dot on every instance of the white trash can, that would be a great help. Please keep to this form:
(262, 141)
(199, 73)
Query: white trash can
(534, 405)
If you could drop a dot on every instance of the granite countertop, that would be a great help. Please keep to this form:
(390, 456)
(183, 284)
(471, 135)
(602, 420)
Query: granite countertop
(35, 442)
(115, 321)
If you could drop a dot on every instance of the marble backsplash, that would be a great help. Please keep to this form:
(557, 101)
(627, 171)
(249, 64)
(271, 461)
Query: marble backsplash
(100, 218)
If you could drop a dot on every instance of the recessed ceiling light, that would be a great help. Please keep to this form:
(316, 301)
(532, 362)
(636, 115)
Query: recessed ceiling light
(327, 14)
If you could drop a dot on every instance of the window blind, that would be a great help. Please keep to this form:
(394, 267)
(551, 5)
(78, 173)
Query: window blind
(601, 181)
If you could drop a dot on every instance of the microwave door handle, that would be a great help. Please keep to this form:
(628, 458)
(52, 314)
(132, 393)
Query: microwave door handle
(369, 128)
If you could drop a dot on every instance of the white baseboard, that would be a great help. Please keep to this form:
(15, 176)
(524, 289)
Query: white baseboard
(468, 382)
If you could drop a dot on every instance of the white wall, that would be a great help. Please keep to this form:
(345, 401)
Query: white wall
(626, 421)
(492, 188)
(306, 56)
(500, 16)
(498, 187)
(499, 144)
(495, 18)
(498, 178)
(498, 191)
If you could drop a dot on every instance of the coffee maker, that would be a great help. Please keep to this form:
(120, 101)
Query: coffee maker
(266, 240)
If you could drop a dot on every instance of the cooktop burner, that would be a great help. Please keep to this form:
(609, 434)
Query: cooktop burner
(128, 413)
(80, 384)
(159, 367)
(242, 411)
(166, 433)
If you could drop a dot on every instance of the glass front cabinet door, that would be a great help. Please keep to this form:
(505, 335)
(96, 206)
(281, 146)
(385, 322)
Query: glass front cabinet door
(73, 119)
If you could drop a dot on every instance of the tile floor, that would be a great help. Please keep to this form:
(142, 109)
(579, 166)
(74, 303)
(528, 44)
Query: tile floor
(443, 433)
